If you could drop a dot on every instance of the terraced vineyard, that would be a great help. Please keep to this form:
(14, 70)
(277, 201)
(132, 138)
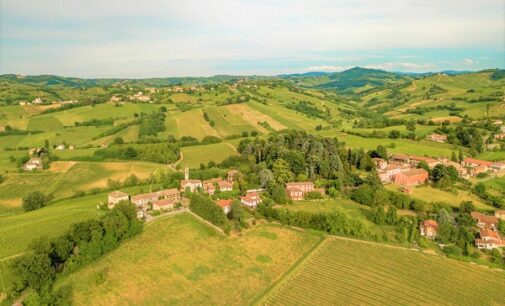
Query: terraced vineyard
(345, 272)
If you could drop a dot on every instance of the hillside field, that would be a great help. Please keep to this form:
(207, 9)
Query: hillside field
(349, 272)
(211, 270)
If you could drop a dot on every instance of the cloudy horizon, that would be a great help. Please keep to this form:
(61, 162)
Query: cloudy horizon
(128, 39)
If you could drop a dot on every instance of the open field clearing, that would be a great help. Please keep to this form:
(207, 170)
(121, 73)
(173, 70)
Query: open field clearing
(129, 134)
(430, 194)
(421, 130)
(17, 231)
(190, 123)
(253, 117)
(226, 122)
(69, 154)
(493, 156)
(405, 146)
(78, 136)
(211, 270)
(289, 118)
(346, 272)
(44, 123)
(100, 111)
(193, 156)
(65, 178)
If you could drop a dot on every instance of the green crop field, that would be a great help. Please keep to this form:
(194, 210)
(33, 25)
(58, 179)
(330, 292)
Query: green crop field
(193, 156)
(345, 272)
(44, 123)
(227, 123)
(430, 194)
(190, 123)
(17, 231)
(211, 270)
(65, 178)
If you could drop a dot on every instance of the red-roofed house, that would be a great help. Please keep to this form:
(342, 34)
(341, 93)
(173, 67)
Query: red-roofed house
(225, 185)
(484, 221)
(161, 205)
(296, 191)
(170, 194)
(472, 162)
(429, 228)
(387, 174)
(489, 240)
(144, 199)
(225, 205)
(411, 177)
(251, 200)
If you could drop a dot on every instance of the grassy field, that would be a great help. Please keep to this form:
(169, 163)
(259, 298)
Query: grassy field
(193, 156)
(423, 147)
(17, 231)
(430, 194)
(345, 272)
(226, 122)
(190, 123)
(63, 179)
(211, 270)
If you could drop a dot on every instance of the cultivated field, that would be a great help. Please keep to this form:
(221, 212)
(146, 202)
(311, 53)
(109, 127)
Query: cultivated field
(193, 156)
(345, 272)
(161, 267)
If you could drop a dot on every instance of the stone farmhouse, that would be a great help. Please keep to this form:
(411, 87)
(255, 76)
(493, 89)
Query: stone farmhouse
(413, 160)
(429, 228)
(163, 205)
(251, 200)
(35, 163)
(484, 221)
(411, 177)
(489, 237)
(489, 240)
(297, 191)
(116, 197)
(387, 174)
(191, 184)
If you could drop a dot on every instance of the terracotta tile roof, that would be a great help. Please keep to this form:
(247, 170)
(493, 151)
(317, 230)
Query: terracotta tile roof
(430, 223)
(488, 233)
(168, 192)
(483, 218)
(477, 161)
(224, 203)
(414, 172)
(163, 203)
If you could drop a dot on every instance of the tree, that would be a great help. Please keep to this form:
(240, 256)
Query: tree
(34, 200)
(423, 165)
(265, 177)
(118, 140)
(392, 215)
(379, 216)
(236, 211)
(454, 158)
(466, 207)
(382, 152)
(282, 173)
(278, 193)
(443, 217)
(411, 126)
(461, 157)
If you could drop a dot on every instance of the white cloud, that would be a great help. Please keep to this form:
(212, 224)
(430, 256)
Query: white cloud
(403, 66)
(327, 68)
(468, 61)
(99, 37)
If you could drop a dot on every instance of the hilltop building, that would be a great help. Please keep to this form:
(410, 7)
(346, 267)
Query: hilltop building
(191, 184)
(35, 163)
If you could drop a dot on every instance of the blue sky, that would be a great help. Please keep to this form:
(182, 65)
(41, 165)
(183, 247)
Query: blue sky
(200, 38)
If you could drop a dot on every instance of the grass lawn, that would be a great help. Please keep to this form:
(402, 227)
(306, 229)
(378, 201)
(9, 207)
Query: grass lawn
(161, 267)
(430, 194)
(349, 272)
(195, 155)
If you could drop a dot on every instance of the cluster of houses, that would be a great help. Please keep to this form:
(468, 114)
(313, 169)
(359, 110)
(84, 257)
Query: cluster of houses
(140, 96)
(38, 100)
(402, 169)
(489, 237)
(164, 200)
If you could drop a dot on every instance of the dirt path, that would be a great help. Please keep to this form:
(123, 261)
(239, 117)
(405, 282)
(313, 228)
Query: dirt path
(231, 146)
(174, 165)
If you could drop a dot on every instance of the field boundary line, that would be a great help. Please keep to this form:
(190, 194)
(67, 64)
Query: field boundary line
(202, 220)
(262, 297)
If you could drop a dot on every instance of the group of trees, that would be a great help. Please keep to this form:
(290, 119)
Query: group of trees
(481, 191)
(335, 222)
(163, 153)
(84, 242)
(151, 124)
(35, 200)
(207, 209)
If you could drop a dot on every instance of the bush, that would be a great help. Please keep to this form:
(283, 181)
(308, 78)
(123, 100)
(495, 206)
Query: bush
(207, 209)
(313, 195)
(34, 200)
